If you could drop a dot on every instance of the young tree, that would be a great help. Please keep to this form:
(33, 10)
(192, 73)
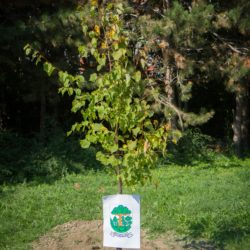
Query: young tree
(112, 99)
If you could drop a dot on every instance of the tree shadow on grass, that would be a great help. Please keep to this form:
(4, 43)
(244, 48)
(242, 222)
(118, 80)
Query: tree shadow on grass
(226, 232)
(197, 149)
(200, 244)
(28, 160)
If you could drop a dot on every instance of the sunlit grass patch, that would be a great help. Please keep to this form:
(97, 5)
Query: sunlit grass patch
(195, 202)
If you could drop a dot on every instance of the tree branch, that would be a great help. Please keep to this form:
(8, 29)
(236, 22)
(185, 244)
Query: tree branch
(230, 46)
(163, 101)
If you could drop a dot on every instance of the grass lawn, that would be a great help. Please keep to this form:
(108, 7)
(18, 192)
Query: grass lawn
(195, 202)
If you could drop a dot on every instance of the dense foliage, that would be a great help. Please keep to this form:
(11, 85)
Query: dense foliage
(115, 113)
(193, 57)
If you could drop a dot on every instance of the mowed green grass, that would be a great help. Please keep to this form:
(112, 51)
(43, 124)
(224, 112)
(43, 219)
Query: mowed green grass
(194, 202)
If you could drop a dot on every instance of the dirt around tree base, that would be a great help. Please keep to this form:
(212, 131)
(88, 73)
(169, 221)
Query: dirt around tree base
(87, 235)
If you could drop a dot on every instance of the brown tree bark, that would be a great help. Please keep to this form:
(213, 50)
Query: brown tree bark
(241, 120)
(168, 82)
(120, 192)
(245, 121)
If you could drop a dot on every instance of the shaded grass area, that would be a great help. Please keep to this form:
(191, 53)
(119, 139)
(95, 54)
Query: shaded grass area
(24, 159)
(195, 202)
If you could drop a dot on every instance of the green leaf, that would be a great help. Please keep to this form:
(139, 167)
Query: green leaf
(143, 63)
(69, 133)
(132, 145)
(102, 158)
(84, 143)
(70, 91)
(92, 138)
(135, 131)
(48, 68)
(76, 105)
(78, 92)
(109, 6)
(118, 54)
(127, 76)
(99, 67)
(26, 46)
(113, 148)
(83, 50)
(27, 49)
(62, 90)
(84, 29)
(97, 126)
(119, 8)
(137, 76)
(94, 42)
(93, 77)
(113, 161)
(79, 81)
(62, 76)
(38, 60)
(102, 62)
(101, 111)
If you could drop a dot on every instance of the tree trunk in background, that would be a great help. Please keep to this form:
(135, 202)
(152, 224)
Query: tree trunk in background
(245, 121)
(42, 110)
(166, 4)
(241, 120)
(2, 109)
(168, 82)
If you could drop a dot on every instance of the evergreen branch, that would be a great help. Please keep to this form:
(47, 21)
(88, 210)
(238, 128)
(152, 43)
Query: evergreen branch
(180, 113)
(229, 45)
(164, 101)
(189, 118)
(157, 11)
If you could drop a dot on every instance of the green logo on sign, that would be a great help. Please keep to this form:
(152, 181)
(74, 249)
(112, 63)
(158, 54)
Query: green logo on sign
(121, 221)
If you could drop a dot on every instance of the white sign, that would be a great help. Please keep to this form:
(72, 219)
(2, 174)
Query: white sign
(121, 221)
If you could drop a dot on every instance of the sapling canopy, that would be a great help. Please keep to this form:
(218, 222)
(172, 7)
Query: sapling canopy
(111, 98)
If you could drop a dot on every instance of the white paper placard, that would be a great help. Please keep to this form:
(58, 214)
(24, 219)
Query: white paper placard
(121, 221)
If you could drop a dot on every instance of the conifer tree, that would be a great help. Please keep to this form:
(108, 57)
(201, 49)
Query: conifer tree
(232, 38)
(190, 42)
(173, 40)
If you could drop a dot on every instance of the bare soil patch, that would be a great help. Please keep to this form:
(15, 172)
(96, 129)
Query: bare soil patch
(87, 235)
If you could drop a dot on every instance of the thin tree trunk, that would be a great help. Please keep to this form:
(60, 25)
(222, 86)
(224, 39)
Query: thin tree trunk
(241, 120)
(42, 110)
(120, 185)
(119, 190)
(118, 168)
(245, 121)
(168, 82)
(2, 109)
(166, 4)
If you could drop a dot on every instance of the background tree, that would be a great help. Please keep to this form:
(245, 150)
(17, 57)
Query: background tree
(194, 37)
(232, 39)
(169, 53)
(34, 97)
